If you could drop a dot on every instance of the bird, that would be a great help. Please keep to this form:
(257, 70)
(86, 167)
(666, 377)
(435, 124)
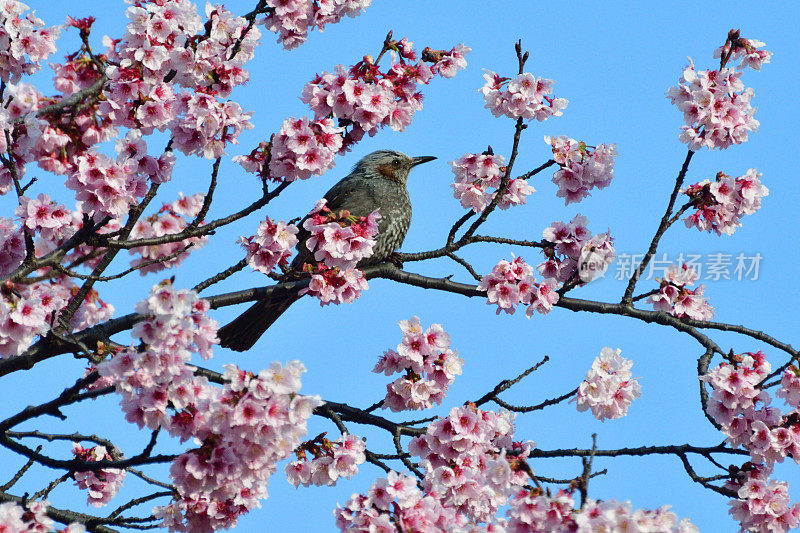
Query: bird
(377, 181)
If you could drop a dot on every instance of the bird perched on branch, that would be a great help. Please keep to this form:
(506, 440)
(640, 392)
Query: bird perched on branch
(378, 181)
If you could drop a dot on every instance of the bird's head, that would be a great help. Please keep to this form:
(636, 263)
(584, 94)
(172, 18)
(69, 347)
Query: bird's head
(389, 164)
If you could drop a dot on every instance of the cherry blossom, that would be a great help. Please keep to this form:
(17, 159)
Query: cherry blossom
(101, 484)
(715, 103)
(32, 518)
(430, 367)
(763, 503)
(292, 20)
(722, 204)
(572, 252)
(523, 97)
(609, 387)
(23, 34)
(512, 283)
(476, 174)
(581, 167)
(271, 246)
(331, 460)
(675, 298)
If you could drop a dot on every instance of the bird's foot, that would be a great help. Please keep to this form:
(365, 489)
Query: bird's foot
(394, 258)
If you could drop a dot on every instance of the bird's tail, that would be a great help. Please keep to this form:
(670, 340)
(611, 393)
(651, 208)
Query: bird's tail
(241, 334)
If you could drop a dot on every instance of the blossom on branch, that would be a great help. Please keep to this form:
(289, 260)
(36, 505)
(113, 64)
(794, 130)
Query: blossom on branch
(476, 174)
(722, 204)
(523, 97)
(271, 246)
(429, 364)
(675, 298)
(512, 283)
(609, 387)
(101, 484)
(582, 167)
(574, 254)
(331, 460)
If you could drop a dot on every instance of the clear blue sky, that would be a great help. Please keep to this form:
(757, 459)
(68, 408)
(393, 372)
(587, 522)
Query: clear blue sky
(613, 61)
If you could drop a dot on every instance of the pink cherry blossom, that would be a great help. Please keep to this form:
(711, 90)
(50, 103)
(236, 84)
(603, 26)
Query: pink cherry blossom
(523, 97)
(609, 387)
(581, 167)
(722, 204)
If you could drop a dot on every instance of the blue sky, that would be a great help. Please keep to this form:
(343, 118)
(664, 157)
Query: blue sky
(613, 61)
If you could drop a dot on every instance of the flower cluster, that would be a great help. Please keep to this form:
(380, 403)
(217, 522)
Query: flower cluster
(429, 364)
(573, 251)
(715, 103)
(44, 216)
(512, 283)
(28, 310)
(536, 512)
(609, 387)
(12, 246)
(476, 174)
(465, 464)
(157, 378)
(161, 42)
(331, 460)
(395, 503)
(742, 408)
(339, 241)
(101, 484)
(270, 246)
(722, 204)
(745, 50)
(523, 97)
(675, 298)
(302, 149)
(581, 167)
(367, 98)
(31, 519)
(23, 34)
(293, 19)
(103, 187)
(763, 504)
(171, 219)
(243, 429)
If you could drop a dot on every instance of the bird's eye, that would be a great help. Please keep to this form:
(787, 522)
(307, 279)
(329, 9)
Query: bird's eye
(396, 162)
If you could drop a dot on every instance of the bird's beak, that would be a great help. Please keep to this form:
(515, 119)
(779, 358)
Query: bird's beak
(421, 159)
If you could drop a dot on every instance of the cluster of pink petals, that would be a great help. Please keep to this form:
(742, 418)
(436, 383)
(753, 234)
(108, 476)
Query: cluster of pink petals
(476, 174)
(170, 38)
(512, 283)
(340, 240)
(611, 515)
(302, 149)
(336, 286)
(243, 429)
(161, 42)
(715, 103)
(250, 425)
(31, 519)
(293, 19)
(171, 219)
(103, 187)
(722, 204)
(367, 98)
(270, 246)
(12, 246)
(743, 409)
(747, 51)
(523, 97)
(331, 460)
(581, 167)
(394, 503)
(132, 153)
(447, 64)
(23, 34)
(101, 484)
(609, 387)
(430, 367)
(675, 298)
(463, 455)
(28, 311)
(764, 504)
(44, 216)
(575, 252)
